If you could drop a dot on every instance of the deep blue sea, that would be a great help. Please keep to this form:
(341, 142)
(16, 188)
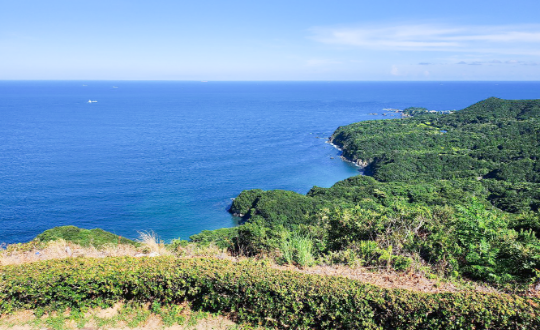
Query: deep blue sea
(170, 156)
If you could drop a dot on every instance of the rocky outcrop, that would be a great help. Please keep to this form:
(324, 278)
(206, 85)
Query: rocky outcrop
(358, 162)
(361, 163)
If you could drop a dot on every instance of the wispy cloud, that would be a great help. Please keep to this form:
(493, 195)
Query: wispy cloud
(498, 62)
(501, 39)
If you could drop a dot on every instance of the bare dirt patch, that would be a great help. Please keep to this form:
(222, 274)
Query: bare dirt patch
(109, 319)
(389, 279)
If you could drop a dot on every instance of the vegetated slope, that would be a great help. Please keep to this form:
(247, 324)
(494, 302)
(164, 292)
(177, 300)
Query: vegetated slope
(85, 237)
(459, 192)
(495, 138)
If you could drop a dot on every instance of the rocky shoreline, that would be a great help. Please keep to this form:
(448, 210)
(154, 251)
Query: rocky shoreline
(362, 164)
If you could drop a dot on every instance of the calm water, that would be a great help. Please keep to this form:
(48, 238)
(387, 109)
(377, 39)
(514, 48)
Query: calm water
(169, 156)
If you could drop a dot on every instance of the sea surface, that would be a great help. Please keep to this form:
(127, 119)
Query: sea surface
(170, 156)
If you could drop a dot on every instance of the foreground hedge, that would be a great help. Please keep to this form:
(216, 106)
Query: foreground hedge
(256, 294)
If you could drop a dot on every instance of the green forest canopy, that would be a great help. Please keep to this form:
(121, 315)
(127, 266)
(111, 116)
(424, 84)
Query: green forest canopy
(458, 191)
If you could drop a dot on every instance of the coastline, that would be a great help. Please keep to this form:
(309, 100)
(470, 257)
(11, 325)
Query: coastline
(358, 163)
(388, 227)
(173, 183)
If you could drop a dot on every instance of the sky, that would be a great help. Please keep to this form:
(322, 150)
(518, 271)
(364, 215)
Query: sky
(231, 40)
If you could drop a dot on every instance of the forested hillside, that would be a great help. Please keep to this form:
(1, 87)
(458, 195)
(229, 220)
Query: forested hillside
(458, 193)
(493, 139)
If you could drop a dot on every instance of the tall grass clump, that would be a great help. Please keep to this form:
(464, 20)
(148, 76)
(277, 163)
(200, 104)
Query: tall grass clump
(297, 248)
(152, 243)
(304, 250)
(287, 250)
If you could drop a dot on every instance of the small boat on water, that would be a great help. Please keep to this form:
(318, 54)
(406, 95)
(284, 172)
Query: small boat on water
(90, 101)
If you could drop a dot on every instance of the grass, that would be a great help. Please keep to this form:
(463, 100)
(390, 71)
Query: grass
(420, 279)
(121, 315)
(148, 244)
(287, 250)
(297, 248)
(152, 244)
(60, 249)
(304, 250)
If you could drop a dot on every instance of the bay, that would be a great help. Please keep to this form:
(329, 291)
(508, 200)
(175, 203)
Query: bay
(169, 156)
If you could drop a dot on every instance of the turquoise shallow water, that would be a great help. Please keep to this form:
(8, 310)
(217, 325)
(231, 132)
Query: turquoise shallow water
(169, 156)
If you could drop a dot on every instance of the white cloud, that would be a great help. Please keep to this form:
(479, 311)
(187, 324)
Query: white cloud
(514, 39)
(394, 71)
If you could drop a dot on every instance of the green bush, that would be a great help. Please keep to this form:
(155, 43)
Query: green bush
(85, 237)
(257, 294)
(224, 238)
(244, 202)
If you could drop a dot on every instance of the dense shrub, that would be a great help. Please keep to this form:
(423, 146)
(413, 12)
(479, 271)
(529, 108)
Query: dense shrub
(257, 294)
(224, 238)
(85, 237)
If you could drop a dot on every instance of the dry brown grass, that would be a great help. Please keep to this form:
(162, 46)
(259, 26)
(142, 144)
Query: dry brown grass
(60, 249)
(17, 317)
(390, 279)
(152, 243)
(193, 250)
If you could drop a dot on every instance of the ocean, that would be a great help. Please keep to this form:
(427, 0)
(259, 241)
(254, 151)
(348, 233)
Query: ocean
(169, 156)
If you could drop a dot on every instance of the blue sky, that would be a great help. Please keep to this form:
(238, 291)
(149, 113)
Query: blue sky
(270, 40)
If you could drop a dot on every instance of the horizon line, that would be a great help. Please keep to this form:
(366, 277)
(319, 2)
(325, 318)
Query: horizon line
(219, 80)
